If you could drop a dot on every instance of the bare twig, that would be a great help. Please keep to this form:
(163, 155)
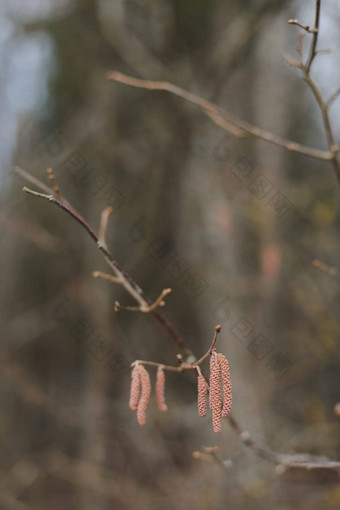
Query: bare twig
(332, 271)
(159, 302)
(28, 177)
(325, 51)
(322, 103)
(40, 185)
(217, 331)
(55, 186)
(103, 224)
(221, 117)
(299, 48)
(264, 453)
(315, 31)
(106, 276)
(126, 280)
(144, 309)
(210, 454)
(284, 462)
(292, 61)
(333, 97)
(194, 365)
(304, 27)
(239, 128)
(304, 462)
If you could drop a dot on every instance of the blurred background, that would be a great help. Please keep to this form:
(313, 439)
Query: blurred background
(232, 226)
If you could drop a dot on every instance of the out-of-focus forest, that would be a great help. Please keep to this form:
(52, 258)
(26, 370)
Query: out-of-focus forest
(232, 225)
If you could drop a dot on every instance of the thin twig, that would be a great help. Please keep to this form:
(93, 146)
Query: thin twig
(264, 453)
(222, 117)
(282, 461)
(159, 302)
(325, 51)
(134, 290)
(55, 186)
(106, 276)
(322, 103)
(211, 455)
(315, 31)
(42, 186)
(333, 97)
(126, 280)
(184, 365)
(144, 309)
(103, 224)
(304, 27)
(332, 271)
(299, 47)
(28, 177)
(240, 128)
(217, 331)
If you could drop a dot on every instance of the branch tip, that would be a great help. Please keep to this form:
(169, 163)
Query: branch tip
(103, 224)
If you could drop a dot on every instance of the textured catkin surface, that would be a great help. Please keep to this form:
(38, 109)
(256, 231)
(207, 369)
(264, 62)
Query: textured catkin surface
(227, 388)
(145, 396)
(215, 392)
(135, 388)
(160, 390)
(232, 225)
(202, 391)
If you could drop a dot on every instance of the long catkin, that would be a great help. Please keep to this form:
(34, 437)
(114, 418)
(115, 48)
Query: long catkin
(227, 388)
(215, 397)
(160, 390)
(145, 396)
(135, 388)
(202, 391)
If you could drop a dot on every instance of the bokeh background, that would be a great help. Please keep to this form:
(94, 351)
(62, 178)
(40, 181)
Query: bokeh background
(232, 226)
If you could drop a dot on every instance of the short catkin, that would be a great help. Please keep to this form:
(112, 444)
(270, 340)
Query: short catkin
(160, 389)
(145, 396)
(227, 388)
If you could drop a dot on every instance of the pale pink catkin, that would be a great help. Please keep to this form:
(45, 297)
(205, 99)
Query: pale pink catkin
(145, 396)
(202, 395)
(227, 388)
(215, 397)
(160, 389)
(135, 388)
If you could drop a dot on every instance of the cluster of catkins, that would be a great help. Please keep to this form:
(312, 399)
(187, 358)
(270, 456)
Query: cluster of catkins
(141, 391)
(219, 372)
(220, 391)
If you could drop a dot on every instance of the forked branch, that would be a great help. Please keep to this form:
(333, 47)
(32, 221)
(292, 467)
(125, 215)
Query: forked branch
(239, 128)
(221, 117)
(322, 103)
(120, 276)
(298, 461)
(194, 365)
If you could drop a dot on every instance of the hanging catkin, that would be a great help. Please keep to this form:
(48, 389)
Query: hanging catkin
(202, 395)
(135, 388)
(159, 390)
(215, 397)
(145, 396)
(227, 389)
